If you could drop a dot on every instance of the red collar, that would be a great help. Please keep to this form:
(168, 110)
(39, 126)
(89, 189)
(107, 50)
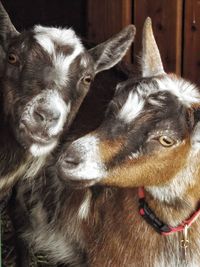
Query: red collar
(156, 223)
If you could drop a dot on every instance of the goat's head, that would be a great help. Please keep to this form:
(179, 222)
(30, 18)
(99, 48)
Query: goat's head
(150, 129)
(45, 73)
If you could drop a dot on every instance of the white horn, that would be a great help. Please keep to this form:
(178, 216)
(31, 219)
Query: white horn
(151, 60)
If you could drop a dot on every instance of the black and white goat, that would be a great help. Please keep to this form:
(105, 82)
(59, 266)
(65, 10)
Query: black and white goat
(44, 75)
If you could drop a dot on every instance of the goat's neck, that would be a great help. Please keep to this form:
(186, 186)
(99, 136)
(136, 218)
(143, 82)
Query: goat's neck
(12, 159)
(178, 198)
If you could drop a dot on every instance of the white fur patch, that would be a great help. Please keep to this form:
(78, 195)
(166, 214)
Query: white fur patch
(48, 38)
(38, 150)
(91, 166)
(34, 167)
(132, 107)
(186, 92)
(85, 206)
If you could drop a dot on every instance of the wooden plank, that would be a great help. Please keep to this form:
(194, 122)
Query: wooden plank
(25, 14)
(107, 17)
(167, 25)
(191, 66)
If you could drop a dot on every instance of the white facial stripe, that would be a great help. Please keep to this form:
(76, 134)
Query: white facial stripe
(54, 100)
(186, 92)
(38, 150)
(49, 37)
(62, 64)
(91, 167)
(132, 107)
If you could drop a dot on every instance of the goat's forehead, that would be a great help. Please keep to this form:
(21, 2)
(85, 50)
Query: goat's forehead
(186, 92)
(63, 47)
(158, 92)
(50, 38)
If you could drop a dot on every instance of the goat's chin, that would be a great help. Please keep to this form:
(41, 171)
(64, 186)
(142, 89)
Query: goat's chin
(72, 181)
(35, 144)
(38, 149)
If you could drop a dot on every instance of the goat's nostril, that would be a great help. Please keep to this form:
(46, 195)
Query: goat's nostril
(39, 116)
(46, 116)
(55, 116)
(71, 162)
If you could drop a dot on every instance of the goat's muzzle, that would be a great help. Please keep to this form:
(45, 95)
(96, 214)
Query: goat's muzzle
(81, 163)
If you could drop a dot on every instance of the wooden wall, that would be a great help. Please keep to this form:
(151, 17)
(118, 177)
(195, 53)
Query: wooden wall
(107, 17)
(191, 45)
(167, 25)
(176, 25)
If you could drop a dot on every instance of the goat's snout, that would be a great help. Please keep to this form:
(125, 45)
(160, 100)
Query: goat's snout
(82, 161)
(46, 117)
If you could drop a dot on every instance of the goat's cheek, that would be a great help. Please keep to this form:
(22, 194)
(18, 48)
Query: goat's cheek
(153, 170)
(109, 149)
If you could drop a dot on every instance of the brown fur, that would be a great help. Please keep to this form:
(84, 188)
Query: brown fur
(146, 171)
(108, 149)
(117, 236)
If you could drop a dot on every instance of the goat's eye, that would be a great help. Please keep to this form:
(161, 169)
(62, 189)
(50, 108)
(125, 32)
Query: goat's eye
(12, 58)
(166, 141)
(87, 79)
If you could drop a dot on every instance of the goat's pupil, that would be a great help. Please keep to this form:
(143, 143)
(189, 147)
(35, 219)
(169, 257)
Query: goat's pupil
(167, 141)
(87, 80)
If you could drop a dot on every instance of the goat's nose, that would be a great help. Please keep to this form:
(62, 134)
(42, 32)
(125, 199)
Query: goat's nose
(46, 116)
(72, 159)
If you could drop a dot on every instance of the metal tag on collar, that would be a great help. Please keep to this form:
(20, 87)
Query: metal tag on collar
(185, 241)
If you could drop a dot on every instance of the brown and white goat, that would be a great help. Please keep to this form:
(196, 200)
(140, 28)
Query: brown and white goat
(149, 138)
(45, 74)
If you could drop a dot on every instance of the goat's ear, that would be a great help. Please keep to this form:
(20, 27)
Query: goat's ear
(109, 53)
(7, 29)
(151, 60)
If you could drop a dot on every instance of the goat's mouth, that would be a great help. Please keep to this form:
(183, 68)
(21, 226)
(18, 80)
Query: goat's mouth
(73, 181)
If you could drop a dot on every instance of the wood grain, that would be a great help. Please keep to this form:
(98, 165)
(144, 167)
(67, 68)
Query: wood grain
(107, 17)
(167, 25)
(191, 65)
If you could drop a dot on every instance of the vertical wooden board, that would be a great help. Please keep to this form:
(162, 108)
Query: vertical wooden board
(107, 17)
(166, 16)
(191, 65)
